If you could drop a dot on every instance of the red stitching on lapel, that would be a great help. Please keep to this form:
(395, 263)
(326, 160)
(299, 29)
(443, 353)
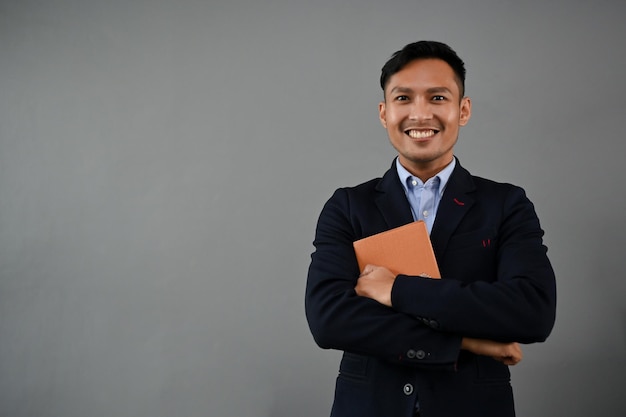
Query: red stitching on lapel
(460, 203)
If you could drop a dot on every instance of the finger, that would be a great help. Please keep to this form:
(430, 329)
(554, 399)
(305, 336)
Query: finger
(509, 360)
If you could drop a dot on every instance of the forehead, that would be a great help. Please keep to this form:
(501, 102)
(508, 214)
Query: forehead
(424, 74)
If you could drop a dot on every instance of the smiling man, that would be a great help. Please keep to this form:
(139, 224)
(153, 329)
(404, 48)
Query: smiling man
(416, 346)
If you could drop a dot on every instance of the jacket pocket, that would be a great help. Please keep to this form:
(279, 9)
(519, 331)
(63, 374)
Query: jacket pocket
(353, 366)
(478, 239)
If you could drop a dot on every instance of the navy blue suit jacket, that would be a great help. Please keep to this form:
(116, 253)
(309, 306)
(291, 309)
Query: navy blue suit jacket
(497, 283)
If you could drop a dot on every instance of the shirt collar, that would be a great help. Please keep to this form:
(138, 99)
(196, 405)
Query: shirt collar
(444, 175)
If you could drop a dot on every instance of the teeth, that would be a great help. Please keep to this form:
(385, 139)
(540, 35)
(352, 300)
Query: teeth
(420, 134)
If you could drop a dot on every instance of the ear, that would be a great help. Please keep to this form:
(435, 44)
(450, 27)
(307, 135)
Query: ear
(382, 114)
(465, 111)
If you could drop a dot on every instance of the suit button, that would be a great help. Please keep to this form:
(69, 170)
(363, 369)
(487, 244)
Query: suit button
(434, 324)
(420, 354)
(411, 354)
(408, 389)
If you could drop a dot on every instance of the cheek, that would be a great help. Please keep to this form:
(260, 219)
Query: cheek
(453, 120)
(393, 118)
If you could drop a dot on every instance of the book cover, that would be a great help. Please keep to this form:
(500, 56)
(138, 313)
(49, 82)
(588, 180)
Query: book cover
(404, 250)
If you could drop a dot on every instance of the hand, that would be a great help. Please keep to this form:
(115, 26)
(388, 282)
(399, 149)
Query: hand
(375, 282)
(507, 353)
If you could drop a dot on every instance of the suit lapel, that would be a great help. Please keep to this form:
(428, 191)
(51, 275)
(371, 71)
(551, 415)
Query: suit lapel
(391, 200)
(455, 203)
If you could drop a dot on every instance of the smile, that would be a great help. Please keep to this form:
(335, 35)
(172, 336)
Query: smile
(421, 134)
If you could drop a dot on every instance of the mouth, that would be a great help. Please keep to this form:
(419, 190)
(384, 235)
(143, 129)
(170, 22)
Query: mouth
(421, 133)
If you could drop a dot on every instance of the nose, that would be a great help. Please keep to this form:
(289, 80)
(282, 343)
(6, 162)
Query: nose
(420, 110)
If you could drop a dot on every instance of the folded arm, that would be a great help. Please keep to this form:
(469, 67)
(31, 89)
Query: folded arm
(376, 283)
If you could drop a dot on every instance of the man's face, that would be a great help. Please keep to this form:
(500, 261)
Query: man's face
(422, 113)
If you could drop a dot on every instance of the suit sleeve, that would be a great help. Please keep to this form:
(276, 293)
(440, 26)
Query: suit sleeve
(339, 319)
(516, 301)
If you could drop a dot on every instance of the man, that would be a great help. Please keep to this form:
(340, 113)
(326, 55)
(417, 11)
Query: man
(419, 346)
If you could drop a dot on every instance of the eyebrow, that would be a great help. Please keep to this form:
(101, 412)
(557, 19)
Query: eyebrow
(432, 90)
(439, 90)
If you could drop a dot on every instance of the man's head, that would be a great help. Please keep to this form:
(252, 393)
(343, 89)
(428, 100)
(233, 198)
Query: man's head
(424, 105)
(423, 50)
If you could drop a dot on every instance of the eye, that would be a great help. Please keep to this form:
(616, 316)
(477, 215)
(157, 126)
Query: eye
(401, 98)
(439, 98)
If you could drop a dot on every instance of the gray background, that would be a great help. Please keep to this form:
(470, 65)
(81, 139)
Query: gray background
(163, 164)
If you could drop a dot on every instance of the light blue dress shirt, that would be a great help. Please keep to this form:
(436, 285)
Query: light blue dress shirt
(424, 197)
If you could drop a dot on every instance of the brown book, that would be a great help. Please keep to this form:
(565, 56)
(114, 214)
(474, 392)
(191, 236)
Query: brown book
(404, 250)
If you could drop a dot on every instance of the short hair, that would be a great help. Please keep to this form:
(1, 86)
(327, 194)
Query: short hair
(424, 50)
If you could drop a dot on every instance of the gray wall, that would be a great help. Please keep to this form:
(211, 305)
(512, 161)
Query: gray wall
(162, 166)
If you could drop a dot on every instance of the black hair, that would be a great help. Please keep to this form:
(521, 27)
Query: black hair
(424, 50)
